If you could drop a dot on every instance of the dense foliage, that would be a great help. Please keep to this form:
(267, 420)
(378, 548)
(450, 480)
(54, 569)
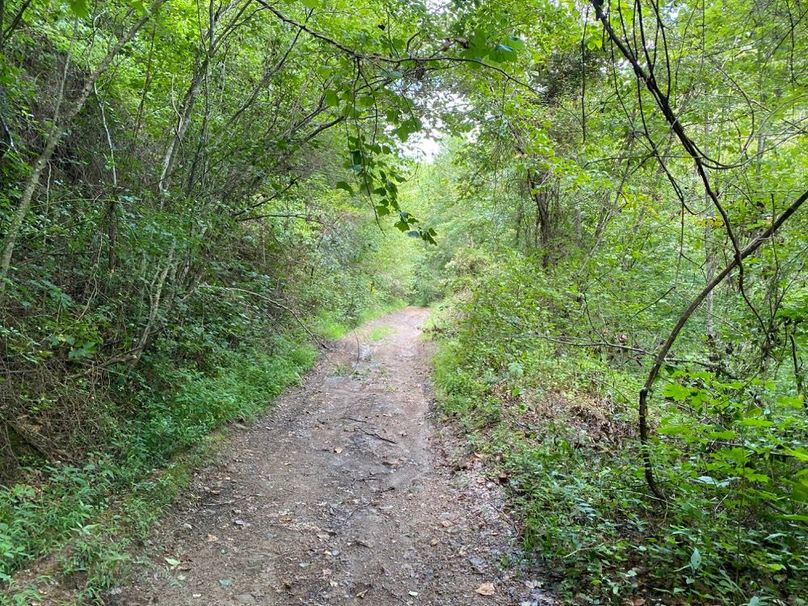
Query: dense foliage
(179, 235)
(196, 193)
(622, 258)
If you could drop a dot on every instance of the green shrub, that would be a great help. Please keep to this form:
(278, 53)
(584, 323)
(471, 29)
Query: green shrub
(559, 421)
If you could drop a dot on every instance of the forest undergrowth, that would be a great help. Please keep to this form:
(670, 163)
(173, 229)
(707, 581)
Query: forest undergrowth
(525, 369)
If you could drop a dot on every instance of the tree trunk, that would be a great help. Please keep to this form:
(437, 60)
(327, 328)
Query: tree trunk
(541, 197)
(212, 45)
(183, 121)
(54, 138)
(663, 351)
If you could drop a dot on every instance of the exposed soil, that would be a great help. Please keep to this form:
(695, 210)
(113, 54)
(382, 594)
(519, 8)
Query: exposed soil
(346, 493)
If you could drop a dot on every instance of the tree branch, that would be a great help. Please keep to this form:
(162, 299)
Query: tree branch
(680, 324)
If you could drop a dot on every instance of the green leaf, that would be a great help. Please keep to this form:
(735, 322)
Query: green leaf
(343, 185)
(695, 559)
(795, 402)
(675, 429)
(331, 98)
(722, 435)
(755, 422)
(79, 7)
(710, 481)
(84, 350)
(676, 392)
(799, 491)
(798, 453)
(406, 128)
(753, 476)
(517, 44)
(594, 43)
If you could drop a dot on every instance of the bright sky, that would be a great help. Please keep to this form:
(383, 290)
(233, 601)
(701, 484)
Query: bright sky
(422, 147)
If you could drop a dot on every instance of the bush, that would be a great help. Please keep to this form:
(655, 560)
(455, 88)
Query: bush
(559, 422)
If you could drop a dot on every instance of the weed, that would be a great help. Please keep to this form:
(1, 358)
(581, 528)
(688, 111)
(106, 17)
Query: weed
(343, 369)
(379, 332)
(76, 506)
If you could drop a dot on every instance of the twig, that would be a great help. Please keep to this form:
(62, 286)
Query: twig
(355, 420)
(277, 304)
(380, 437)
(680, 324)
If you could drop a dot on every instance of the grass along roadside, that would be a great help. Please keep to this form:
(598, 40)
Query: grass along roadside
(331, 327)
(78, 523)
(98, 554)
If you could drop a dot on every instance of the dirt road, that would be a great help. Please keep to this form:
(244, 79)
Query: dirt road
(343, 494)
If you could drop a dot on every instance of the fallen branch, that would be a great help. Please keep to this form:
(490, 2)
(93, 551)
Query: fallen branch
(680, 324)
(598, 344)
(307, 218)
(380, 437)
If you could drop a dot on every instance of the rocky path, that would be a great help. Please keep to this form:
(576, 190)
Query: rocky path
(343, 494)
